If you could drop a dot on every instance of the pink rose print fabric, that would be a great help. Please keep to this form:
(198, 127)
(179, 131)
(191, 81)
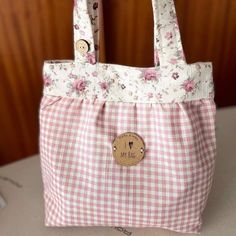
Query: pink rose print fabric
(104, 85)
(47, 80)
(87, 104)
(79, 85)
(189, 85)
(150, 74)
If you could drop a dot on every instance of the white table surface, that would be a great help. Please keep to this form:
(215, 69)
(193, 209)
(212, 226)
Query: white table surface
(21, 186)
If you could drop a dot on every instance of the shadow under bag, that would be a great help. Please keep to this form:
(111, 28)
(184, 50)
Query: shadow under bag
(127, 146)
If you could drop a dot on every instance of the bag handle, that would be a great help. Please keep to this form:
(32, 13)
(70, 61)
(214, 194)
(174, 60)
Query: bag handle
(167, 40)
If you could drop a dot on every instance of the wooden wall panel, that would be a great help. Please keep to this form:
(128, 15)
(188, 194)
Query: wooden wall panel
(208, 29)
(129, 32)
(32, 31)
(209, 34)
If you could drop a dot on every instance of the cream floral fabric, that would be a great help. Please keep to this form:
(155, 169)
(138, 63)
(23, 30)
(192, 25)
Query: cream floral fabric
(128, 84)
(171, 80)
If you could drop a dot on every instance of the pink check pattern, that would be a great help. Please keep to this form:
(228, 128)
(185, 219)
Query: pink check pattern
(83, 186)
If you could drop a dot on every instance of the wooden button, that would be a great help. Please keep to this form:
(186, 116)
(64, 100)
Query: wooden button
(82, 46)
(128, 149)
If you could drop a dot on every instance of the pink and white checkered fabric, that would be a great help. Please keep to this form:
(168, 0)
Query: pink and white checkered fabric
(83, 185)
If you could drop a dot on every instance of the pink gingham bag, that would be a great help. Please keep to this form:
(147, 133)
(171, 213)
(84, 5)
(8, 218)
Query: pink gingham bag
(88, 105)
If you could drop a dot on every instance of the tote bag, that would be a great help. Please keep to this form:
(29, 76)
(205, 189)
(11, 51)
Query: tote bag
(127, 146)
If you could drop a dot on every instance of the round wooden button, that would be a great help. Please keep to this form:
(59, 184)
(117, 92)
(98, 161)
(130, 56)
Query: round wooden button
(128, 149)
(82, 46)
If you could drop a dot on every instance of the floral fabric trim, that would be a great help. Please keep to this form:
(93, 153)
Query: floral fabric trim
(117, 83)
(167, 39)
(171, 80)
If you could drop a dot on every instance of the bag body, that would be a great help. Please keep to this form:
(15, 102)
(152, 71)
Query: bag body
(86, 105)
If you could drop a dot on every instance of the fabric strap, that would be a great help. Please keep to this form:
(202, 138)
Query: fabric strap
(167, 40)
